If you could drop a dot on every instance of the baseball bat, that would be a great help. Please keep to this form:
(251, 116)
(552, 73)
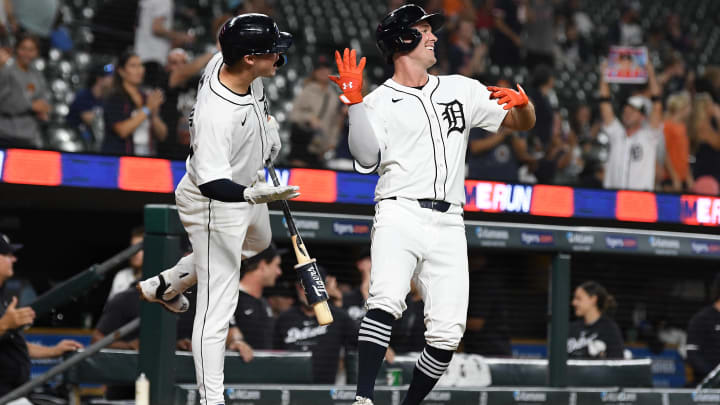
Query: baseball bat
(309, 274)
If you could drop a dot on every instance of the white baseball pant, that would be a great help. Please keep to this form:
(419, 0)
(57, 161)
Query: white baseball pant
(411, 242)
(220, 233)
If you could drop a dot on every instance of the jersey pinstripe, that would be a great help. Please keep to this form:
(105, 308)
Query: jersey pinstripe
(227, 132)
(423, 135)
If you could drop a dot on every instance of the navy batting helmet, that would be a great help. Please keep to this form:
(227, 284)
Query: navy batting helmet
(395, 32)
(252, 34)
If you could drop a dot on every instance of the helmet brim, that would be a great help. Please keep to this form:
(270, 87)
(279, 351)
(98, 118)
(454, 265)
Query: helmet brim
(284, 42)
(436, 21)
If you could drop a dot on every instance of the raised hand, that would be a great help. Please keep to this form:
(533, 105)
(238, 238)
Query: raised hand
(350, 76)
(16, 317)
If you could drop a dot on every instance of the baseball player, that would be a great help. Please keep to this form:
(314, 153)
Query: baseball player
(413, 130)
(221, 200)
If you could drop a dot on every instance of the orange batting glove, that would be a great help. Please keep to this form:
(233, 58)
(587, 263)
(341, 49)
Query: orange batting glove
(509, 97)
(350, 76)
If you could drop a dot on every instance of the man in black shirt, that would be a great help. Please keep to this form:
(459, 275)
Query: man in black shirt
(703, 340)
(297, 330)
(15, 352)
(253, 316)
(122, 308)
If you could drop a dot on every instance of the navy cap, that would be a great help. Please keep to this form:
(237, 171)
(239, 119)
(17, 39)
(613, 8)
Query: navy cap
(6, 247)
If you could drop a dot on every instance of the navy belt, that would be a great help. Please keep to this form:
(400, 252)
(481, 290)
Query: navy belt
(436, 205)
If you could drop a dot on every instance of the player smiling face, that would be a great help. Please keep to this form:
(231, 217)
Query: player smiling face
(424, 52)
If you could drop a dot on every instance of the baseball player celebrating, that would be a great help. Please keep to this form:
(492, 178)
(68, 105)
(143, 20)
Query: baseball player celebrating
(413, 130)
(221, 200)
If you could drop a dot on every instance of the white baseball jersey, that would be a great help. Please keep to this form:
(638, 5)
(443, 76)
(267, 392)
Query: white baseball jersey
(227, 130)
(229, 141)
(631, 161)
(423, 135)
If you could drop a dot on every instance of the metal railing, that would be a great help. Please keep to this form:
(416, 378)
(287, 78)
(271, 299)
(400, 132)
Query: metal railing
(81, 355)
(79, 283)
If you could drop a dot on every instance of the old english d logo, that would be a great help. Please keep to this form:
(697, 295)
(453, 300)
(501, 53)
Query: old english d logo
(454, 116)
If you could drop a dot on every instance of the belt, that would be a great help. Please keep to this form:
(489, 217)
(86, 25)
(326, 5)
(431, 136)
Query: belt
(435, 205)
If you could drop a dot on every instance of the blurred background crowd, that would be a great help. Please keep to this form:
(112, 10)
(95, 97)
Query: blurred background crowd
(74, 71)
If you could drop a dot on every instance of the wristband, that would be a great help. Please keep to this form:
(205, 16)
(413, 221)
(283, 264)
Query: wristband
(655, 99)
(146, 110)
(603, 99)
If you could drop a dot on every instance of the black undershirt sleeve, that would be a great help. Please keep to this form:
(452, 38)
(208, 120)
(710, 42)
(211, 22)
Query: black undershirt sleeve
(224, 190)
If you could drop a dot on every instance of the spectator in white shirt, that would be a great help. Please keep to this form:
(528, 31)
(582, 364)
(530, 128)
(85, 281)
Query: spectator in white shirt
(154, 35)
(634, 141)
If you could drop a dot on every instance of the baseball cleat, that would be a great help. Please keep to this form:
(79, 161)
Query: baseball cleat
(152, 290)
(362, 401)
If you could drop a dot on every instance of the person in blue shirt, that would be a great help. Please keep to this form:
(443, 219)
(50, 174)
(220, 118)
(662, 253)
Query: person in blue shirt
(86, 108)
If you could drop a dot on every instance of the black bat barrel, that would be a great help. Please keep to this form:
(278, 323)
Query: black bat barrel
(312, 282)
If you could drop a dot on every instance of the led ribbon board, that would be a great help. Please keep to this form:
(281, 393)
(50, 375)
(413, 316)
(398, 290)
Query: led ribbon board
(50, 168)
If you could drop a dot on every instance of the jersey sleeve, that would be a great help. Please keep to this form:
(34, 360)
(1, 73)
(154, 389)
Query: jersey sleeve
(377, 123)
(484, 113)
(614, 342)
(211, 149)
(614, 130)
(161, 9)
(113, 316)
(696, 346)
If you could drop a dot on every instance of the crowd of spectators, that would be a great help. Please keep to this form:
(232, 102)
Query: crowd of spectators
(143, 109)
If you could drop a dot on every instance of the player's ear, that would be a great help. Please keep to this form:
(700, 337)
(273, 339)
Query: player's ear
(249, 60)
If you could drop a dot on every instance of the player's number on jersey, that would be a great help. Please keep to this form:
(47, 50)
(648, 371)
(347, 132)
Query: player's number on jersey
(191, 116)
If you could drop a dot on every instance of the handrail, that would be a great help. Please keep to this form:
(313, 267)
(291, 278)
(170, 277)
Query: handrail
(712, 380)
(78, 357)
(70, 288)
